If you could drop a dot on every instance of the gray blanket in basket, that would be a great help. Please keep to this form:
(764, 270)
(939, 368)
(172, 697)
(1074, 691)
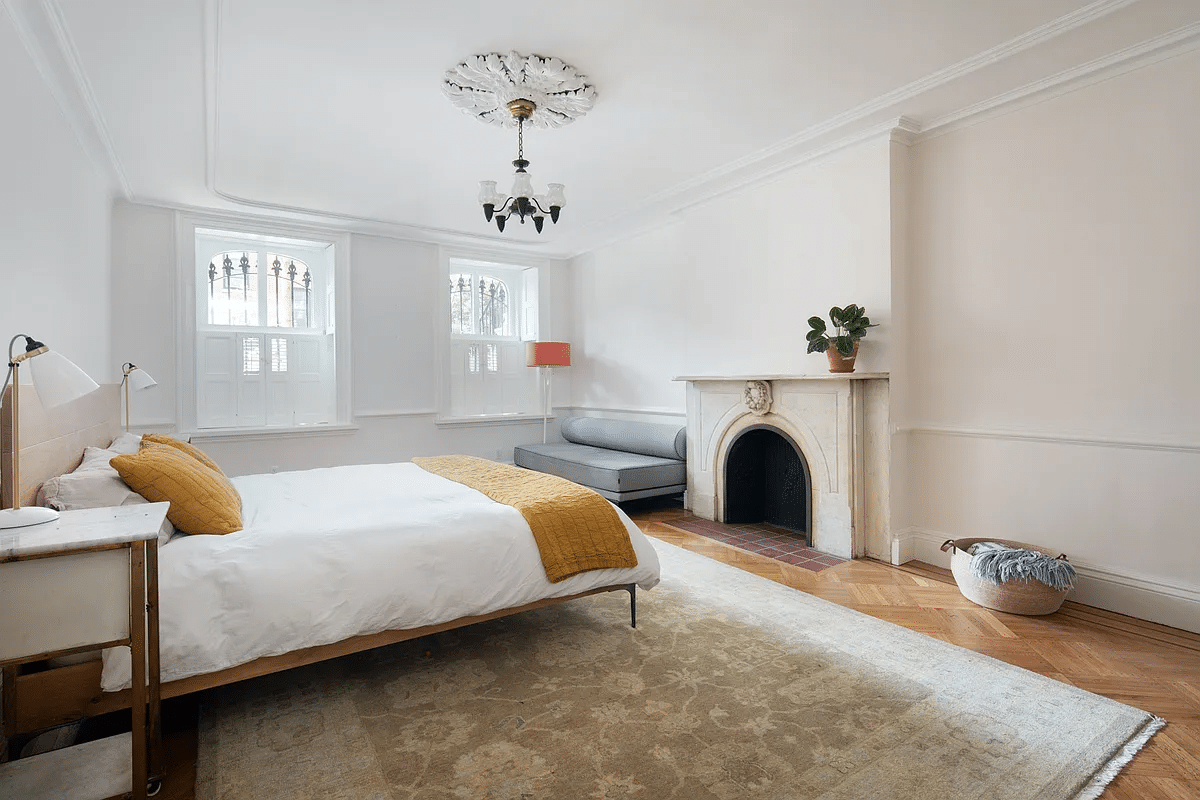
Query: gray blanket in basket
(997, 564)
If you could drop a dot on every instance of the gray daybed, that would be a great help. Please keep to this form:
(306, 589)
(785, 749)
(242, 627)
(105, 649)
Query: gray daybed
(619, 459)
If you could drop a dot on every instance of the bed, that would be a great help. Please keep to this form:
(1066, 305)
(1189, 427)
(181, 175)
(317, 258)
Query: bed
(330, 561)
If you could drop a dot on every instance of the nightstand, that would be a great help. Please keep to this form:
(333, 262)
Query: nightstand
(85, 581)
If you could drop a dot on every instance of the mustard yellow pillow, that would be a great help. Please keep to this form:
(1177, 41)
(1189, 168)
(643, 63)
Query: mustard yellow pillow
(202, 501)
(184, 447)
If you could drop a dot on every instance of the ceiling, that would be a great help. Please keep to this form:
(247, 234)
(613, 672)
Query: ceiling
(332, 112)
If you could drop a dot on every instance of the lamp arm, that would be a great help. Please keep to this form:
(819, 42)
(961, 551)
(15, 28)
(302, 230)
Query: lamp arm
(11, 342)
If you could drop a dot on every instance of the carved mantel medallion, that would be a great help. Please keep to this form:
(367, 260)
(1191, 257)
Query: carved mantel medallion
(757, 397)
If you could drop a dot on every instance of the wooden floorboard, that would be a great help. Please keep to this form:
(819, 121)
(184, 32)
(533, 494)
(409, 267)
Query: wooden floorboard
(1146, 665)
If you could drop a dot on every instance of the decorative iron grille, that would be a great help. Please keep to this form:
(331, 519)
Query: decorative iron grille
(493, 307)
(461, 297)
(484, 310)
(289, 298)
(233, 289)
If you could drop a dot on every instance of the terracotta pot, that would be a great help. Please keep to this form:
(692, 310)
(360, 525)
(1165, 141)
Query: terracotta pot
(840, 363)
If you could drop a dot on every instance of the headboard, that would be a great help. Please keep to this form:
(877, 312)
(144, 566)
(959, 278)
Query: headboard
(52, 441)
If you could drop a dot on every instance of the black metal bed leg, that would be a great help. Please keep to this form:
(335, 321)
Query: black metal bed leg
(632, 604)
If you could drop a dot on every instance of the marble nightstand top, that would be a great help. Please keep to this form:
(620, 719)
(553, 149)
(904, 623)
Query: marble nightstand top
(83, 529)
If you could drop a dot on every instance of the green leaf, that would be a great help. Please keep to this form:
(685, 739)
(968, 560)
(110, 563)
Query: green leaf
(813, 335)
(817, 324)
(845, 345)
(835, 316)
(818, 345)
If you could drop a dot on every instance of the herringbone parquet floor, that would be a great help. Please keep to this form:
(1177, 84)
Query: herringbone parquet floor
(1149, 666)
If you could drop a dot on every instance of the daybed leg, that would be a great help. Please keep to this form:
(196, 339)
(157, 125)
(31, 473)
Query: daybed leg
(632, 588)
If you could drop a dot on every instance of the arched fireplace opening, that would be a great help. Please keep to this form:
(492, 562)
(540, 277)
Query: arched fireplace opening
(767, 481)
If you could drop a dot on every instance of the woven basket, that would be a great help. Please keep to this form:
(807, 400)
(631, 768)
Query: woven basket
(1030, 597)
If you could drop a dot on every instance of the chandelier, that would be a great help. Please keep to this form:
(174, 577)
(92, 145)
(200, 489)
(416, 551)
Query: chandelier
(506, 90)
(521, 200)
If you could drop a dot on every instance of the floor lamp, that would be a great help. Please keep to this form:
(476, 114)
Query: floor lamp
(136, 378)
(57, 381)
(545, 356)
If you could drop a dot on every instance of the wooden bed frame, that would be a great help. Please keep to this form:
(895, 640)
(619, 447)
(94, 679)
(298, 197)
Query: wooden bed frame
(37, 700)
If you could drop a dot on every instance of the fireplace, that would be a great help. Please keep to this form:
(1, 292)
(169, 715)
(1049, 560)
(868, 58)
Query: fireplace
(766, 481)
(836, 477)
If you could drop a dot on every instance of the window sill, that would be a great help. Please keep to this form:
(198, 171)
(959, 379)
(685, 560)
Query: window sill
(267, 434)
(490, 419)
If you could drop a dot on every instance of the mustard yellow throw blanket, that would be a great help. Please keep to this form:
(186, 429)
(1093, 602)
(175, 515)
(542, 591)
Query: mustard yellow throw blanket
(576, 530)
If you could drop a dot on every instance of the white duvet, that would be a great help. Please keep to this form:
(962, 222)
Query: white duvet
(327, 554)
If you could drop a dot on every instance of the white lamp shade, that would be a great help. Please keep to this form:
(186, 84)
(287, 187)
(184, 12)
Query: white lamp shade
(522, 185)
(140, 379)
(487, 193)
(58, 380)
(555, 195)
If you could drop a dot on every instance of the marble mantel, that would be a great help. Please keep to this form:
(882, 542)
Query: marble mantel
(840, 422)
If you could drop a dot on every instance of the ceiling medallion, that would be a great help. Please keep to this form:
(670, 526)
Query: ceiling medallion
(484, 85)
(506, 90)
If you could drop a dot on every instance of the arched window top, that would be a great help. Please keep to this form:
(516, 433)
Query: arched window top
(241, 294)
(480, 305)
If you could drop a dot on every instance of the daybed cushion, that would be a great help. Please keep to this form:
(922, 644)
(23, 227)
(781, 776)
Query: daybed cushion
(600, 468)
(646, 438)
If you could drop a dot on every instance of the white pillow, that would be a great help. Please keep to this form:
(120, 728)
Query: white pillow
(94, 484)
(126, 444)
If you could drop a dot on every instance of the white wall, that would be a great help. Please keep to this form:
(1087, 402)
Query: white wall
(726, 287)
(1054, 278)
(1035, 274)
(54, 223)
(394, 287)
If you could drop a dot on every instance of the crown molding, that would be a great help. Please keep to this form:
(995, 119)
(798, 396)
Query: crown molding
(40, 26)
(1143, 54)
(42, 30)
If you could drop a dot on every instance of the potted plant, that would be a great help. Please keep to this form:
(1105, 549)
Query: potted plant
(851, 324)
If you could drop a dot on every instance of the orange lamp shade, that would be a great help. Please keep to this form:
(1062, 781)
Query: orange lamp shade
(547, 354)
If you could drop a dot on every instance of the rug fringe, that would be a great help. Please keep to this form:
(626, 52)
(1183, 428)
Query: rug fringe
(1100, 781)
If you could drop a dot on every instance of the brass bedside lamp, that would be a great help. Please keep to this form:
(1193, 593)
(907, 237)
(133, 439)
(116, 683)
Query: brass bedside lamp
(136, 378)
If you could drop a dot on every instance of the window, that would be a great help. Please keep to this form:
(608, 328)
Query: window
(265, 346)
(492, 310)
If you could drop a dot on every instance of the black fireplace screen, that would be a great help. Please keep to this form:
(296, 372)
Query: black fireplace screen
(767, 481)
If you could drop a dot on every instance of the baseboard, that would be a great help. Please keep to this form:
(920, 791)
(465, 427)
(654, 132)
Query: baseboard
(1138, 596)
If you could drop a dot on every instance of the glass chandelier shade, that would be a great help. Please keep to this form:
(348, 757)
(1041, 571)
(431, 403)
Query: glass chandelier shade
(521, 199)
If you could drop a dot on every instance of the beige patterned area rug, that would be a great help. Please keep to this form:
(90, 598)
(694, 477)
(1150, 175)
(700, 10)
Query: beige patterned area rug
(730, 687)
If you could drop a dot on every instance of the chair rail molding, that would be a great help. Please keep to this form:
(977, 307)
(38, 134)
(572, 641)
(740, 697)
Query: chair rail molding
(1051, 437)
